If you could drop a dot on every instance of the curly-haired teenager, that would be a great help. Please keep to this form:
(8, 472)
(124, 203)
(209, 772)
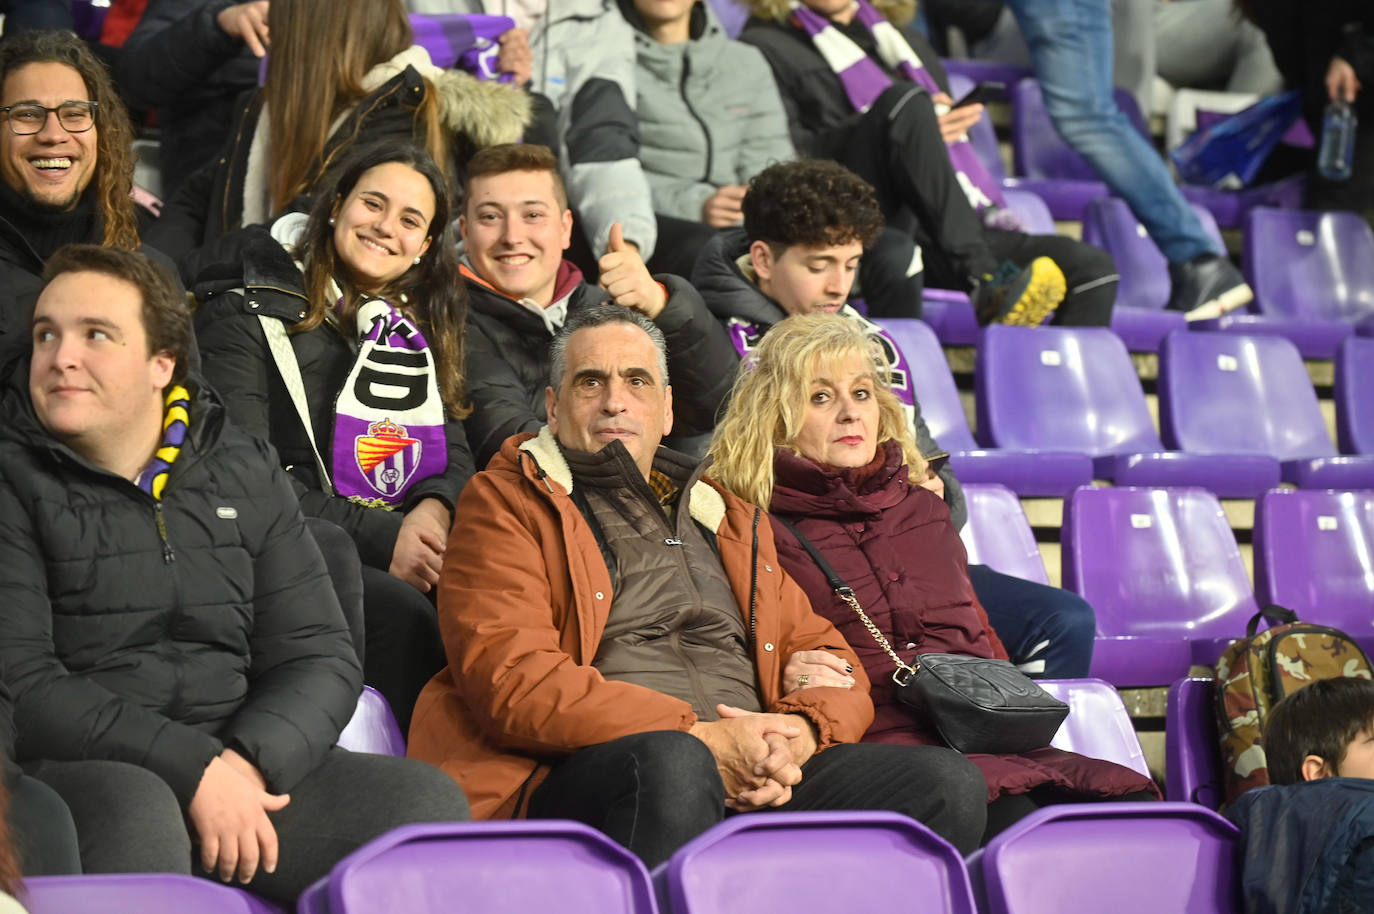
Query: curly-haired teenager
(66, 173)
(805, 226)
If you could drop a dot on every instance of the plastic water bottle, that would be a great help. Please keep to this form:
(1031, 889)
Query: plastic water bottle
(1338, 142)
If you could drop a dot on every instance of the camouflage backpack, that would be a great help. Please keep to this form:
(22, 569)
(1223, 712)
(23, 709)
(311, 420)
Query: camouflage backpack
(1257, 671)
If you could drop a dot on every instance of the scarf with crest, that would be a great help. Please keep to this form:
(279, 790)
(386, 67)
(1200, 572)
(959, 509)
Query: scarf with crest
(864, 81)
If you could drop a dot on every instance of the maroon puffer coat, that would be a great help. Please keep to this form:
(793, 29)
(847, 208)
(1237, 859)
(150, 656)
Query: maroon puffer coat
(893, 543)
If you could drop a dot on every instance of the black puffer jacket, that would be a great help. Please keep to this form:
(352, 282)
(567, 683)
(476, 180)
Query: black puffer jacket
(263, 280)
(508, 362)
(159, 633)
(732, 295)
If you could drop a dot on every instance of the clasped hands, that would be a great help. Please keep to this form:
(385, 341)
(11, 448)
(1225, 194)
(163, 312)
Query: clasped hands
(759, 756)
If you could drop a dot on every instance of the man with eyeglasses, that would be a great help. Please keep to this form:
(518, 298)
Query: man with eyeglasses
(66, 165)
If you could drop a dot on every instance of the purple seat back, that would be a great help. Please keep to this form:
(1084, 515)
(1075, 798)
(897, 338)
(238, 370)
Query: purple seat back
(1098, 725)
(1126, 858)
(1157, 562)
(998, 535)
(932, 382)
(1037, 148)
(510, 867)
(1061, 388)
(731, 14)
(373, 728)
(1192, 759)
(1305, 264)
(138, 893)
(780, 863)
(1032, 209)
(1110, 224)
(1354, 396)
(1227, 393)
(1314, 553)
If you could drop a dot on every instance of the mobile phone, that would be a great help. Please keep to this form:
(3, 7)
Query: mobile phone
(981, 94)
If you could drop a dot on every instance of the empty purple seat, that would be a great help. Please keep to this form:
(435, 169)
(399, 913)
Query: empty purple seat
(782, 863)
(1162, 571)
(1192, 758)
(1098, 725)
(1354, 395)
(139, 893)
(732, 16)
(998, 535)
(1075, 389)
(1313, 276)
(511, 867)
(1139, 317)
(1226, 393)
(950, 315)
(985, 71)
(373, 728)
(1045, 473)
(1314, 553)
(1032, 209)
(1126, 858)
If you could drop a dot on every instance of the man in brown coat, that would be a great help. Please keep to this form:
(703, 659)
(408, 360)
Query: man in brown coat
(618, 632)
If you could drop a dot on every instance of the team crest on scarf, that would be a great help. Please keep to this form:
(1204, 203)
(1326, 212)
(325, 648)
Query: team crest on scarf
(387, 456)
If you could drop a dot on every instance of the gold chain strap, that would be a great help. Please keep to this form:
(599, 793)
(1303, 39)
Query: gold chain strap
(903, 673)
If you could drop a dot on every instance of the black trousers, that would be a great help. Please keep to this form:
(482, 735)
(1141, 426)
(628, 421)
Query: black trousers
(898, 149)
(653, 792)
(42, 830)
(129, 821)
(404, 648)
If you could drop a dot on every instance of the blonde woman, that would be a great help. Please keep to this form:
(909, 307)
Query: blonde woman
(814, 434)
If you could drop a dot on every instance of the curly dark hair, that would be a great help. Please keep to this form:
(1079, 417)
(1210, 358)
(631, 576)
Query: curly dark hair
(813, 202)
(114, 177)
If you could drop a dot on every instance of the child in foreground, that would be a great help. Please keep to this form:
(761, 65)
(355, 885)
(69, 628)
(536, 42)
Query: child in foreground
(1308, 838)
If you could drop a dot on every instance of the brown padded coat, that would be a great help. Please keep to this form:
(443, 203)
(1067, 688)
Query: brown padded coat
(523, 600)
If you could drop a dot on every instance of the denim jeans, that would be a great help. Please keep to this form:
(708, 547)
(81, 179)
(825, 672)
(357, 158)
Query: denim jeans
(1070, 43)
(1047, 631)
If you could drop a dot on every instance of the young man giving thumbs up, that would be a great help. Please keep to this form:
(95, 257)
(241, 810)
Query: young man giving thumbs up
(515, 226)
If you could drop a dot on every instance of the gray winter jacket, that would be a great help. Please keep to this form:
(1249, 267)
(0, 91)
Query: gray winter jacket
(709, 113)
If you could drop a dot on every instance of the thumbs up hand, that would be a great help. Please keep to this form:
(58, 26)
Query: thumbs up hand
(627, 280)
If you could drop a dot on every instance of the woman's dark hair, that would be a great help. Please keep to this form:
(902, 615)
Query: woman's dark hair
(432, 291)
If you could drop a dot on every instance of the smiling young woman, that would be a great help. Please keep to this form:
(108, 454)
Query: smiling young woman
(338, 337)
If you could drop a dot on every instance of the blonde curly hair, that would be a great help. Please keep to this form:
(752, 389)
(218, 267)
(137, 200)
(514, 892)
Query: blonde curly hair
(768, 403)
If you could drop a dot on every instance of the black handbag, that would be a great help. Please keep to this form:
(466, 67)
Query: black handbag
(978, 704)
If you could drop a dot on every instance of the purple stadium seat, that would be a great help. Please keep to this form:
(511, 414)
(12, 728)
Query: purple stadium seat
(1162, 571)
(950, 315)
(998, 535)
(1126, 858)
(372, 727)
(1226, 393)
(1034, 213)
(1229, 207)
(1139, 317)
(1354, 396)
(781, 863)
(731, 15)
(139, 893)
(1075, 389)
(1098, 725)
(1313, 276)
(1314, 553)
(1192, 759)
(984, 71)
(1046, 473)
(510, 867)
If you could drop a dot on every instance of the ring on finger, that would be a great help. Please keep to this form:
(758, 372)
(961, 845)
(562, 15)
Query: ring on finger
(803, 680)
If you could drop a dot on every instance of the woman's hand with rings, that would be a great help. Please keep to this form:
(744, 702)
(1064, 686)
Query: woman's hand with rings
(816, 669)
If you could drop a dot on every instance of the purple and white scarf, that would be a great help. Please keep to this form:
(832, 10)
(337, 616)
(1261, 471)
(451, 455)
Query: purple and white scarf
(389, 417)
(466, 42)
(864, 81)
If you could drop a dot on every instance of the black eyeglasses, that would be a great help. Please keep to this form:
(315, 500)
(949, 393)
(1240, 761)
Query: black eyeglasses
(28, 118)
